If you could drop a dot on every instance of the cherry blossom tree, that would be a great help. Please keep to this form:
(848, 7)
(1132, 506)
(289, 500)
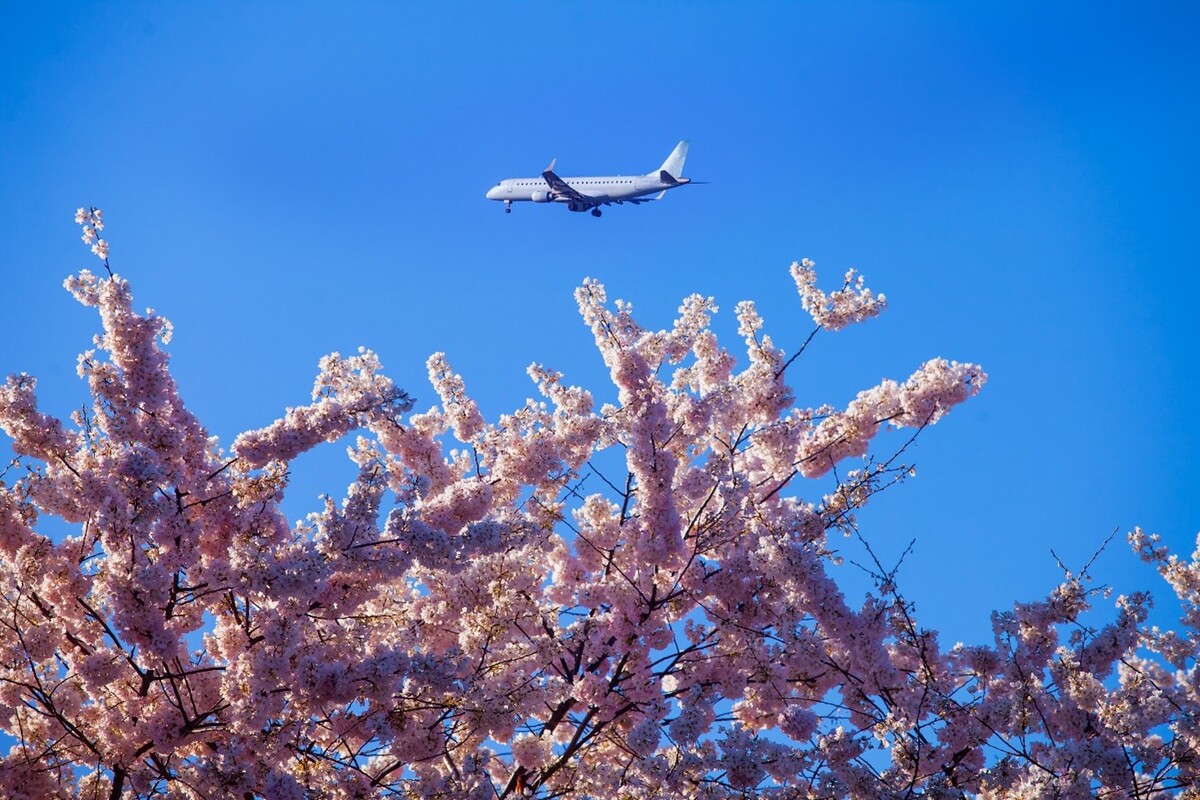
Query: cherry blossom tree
(633, 601)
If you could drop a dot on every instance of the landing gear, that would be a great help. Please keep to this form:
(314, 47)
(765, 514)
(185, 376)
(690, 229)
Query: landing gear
(508, 206)
(595, 212)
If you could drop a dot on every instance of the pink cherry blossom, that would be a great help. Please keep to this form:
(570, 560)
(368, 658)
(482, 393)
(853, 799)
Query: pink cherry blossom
(634, 601)
(846, 306)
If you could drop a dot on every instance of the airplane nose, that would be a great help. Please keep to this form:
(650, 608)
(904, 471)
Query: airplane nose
(493, 193)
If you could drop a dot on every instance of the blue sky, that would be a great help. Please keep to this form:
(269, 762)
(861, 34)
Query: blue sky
(283, 180)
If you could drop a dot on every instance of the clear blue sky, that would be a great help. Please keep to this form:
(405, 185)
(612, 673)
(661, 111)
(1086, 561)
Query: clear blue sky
(286, 179)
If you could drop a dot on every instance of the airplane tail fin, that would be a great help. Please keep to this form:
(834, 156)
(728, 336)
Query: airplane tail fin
(674, 163)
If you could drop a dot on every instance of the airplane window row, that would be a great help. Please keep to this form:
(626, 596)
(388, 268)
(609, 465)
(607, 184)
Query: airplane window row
(542, 183)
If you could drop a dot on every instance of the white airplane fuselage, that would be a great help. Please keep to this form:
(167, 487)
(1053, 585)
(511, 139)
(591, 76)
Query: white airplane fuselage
(611, 188)
(589, 193)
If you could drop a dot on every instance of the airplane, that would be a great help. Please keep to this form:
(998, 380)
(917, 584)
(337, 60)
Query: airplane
(588, 194)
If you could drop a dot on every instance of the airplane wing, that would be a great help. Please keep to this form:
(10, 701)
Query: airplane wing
(637, 201)
(560, 187)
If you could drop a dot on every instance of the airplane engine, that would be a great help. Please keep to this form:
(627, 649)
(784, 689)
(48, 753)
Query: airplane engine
(541, 197)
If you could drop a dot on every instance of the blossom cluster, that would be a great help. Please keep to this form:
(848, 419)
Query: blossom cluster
(92, 221)
(635, 601)
(854, 302)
